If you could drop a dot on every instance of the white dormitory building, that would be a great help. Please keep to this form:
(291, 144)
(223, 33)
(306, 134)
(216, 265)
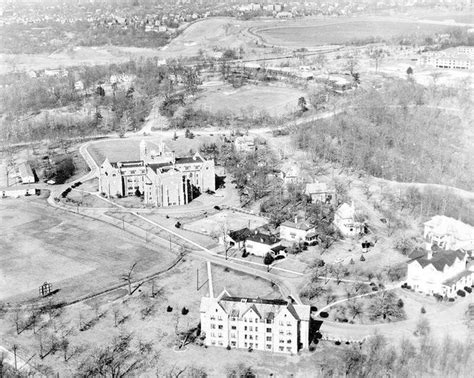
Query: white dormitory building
(297, 231)
(442, 268)
(454, 58)
(439, 271)
(345, 220)
(271, 325)
(448, 233)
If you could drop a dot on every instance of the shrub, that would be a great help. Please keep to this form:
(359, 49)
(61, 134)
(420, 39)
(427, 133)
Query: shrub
(468, 289)
(184, 311)
(362, 258)
(461, 293)
(450, 299)
(423, 310)
(323, 314)
(400, 303)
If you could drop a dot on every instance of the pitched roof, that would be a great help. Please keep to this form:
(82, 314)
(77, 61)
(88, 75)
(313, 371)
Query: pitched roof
(189, 159)
(316, 187)
(449, 226)
(259, 237)
(299, 226)
(345, 211)
(240, 235)
(440, 259)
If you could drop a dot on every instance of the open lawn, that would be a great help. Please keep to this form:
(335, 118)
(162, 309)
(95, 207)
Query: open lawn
(77, 256)
(343, 30)
(232, 220)
(249, 99)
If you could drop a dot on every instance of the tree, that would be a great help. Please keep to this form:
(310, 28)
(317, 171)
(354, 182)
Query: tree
(423, 327)
(268, 260)
(384, 306)
(354, 308)
(127, 277)
(302, 104)
(409, 71)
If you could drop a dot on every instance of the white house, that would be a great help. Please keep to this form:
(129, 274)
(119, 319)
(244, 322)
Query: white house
(25, 174)
(297, 231)
(319, 192)
(345, 221)
(271, 325)
(439, 272)
(260, 244)
(245, 144)
(448, 233)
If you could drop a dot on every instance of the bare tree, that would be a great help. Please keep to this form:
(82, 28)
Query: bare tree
(127, 277)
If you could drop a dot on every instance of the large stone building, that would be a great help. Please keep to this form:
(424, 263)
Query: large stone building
(162, 178)
(271, 325)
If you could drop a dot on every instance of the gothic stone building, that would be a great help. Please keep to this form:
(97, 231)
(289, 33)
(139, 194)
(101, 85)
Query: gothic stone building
(162, 178)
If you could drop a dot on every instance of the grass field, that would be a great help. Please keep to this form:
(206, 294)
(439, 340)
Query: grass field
(230, 219)
(40, 244)
(343, 30)
(275, 101)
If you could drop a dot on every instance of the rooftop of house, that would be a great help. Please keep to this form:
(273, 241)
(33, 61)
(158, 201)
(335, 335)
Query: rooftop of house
(304, 226)
(25, 170)
(316, 187)
(451, 281)
(240, 235)
(266, 309)
(262, 238)
(189, 159)
(443, 225)
(346, 211)
(440, 258)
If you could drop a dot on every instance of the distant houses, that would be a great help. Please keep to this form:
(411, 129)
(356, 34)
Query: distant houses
(245, 144)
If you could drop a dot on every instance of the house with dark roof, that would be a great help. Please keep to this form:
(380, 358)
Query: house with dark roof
(259, 243)
(439, 271)
(271, 325)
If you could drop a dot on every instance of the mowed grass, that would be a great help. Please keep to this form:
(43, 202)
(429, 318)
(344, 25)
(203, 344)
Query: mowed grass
(115, 150)
(248, 100)
(344, 31)
(77, 255)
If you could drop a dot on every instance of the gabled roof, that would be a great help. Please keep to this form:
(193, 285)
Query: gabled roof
(443, 225)
(345, 211)
(299, 226)
(240, 235)
(439, 260)
(316, 187)
(189, 159)
(261, 238)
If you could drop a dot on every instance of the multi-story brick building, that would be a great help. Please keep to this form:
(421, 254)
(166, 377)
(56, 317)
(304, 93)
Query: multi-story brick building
(162, 178)
(271, 325)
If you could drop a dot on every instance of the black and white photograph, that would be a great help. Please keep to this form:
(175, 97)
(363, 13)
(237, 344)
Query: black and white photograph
(236, 188)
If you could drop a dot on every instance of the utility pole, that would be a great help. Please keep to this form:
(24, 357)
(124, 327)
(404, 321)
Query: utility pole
(197, 279)
(15, 347)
